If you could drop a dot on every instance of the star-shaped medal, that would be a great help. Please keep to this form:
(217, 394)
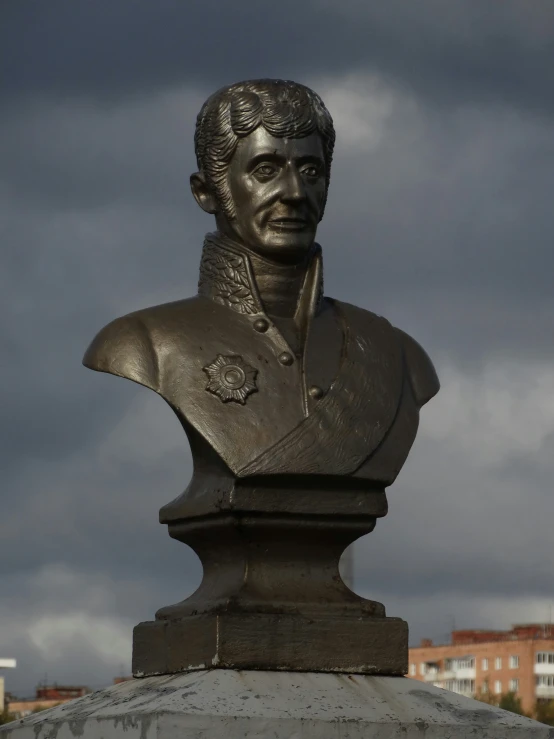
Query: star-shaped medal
(231, 378)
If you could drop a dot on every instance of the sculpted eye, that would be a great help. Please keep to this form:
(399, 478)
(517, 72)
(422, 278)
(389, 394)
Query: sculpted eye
(311, 171)
(264, 170)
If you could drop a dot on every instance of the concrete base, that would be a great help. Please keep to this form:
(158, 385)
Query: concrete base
(282, 705)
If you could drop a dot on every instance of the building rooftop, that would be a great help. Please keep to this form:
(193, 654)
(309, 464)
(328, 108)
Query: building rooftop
(518, 632)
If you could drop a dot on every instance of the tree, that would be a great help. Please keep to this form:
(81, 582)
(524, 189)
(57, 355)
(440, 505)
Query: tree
(507, 701)
(6, 717)
(544, 712)
(511, 702)
(485, 696)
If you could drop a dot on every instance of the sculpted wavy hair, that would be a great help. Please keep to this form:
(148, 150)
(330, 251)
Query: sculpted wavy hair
(285, 109)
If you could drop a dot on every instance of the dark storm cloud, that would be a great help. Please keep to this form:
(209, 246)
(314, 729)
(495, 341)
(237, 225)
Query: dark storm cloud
(52, 301)
(457, 214)
(439, 217)
(465, 49)
(77, 155)
(94, 208)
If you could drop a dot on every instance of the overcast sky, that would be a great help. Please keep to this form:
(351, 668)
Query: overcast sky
(439, 217)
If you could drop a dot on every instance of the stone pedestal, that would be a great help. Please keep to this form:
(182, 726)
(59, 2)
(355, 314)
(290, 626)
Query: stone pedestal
(235, 704)
(271, 596)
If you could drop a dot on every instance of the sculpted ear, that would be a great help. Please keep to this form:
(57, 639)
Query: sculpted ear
(202, 193)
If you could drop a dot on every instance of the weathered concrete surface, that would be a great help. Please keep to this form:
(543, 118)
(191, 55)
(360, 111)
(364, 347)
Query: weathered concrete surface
(274, 705)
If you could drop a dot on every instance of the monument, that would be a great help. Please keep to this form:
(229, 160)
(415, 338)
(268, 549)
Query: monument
(300, 411)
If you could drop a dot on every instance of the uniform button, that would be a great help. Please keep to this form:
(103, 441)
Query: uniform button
(316, 392)
(286, 358)
(261, 325)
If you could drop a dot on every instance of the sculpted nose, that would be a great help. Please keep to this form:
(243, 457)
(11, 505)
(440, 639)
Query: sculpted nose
(293, 186)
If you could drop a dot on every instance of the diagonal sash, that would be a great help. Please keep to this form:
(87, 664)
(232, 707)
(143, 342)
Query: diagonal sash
(351, 421)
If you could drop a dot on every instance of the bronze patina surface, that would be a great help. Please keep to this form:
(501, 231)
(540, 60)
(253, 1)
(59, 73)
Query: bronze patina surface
(300, 410)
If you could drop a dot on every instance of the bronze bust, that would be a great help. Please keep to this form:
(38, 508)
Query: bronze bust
(299, 409)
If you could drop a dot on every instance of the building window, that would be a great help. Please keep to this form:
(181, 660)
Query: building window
(497, 687)
(463, 687)
(498, 663)
(423, 668)
(514, 686)
(485, 664)
(545, 681)
(465, 663)
(545, 658)
(514, 661)
(459, 663)
(413, 669)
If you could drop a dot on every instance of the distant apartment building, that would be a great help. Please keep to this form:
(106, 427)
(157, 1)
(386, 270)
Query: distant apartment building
(4, 665)
(46, 696)
(519, 661)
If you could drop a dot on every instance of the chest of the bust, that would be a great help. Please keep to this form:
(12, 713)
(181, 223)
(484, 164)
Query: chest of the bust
(265, 409)
(238, 381)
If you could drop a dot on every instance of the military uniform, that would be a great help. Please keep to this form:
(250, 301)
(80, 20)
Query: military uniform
(345, 407)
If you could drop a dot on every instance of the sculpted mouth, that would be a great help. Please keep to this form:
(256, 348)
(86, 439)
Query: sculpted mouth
(293, 224)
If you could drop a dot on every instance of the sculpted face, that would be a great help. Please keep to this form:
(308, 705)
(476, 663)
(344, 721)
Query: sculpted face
(277, 188)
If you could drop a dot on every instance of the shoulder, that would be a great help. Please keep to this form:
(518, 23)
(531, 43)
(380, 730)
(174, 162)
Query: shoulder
(357, 317)
(124, 348)
(422, 373)
(128, 346)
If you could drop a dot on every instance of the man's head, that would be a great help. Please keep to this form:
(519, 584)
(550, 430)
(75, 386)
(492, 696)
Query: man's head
(264, 151)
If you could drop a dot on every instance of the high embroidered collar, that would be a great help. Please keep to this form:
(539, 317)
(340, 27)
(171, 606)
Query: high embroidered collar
(227, 277)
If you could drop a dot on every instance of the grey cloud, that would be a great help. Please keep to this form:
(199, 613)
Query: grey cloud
(466, 49)
(457, 200)
(436, 616)
(461, 51)
(85, 606)
(444, 226)
(460, 203)
(467, 530)
(73, 155)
